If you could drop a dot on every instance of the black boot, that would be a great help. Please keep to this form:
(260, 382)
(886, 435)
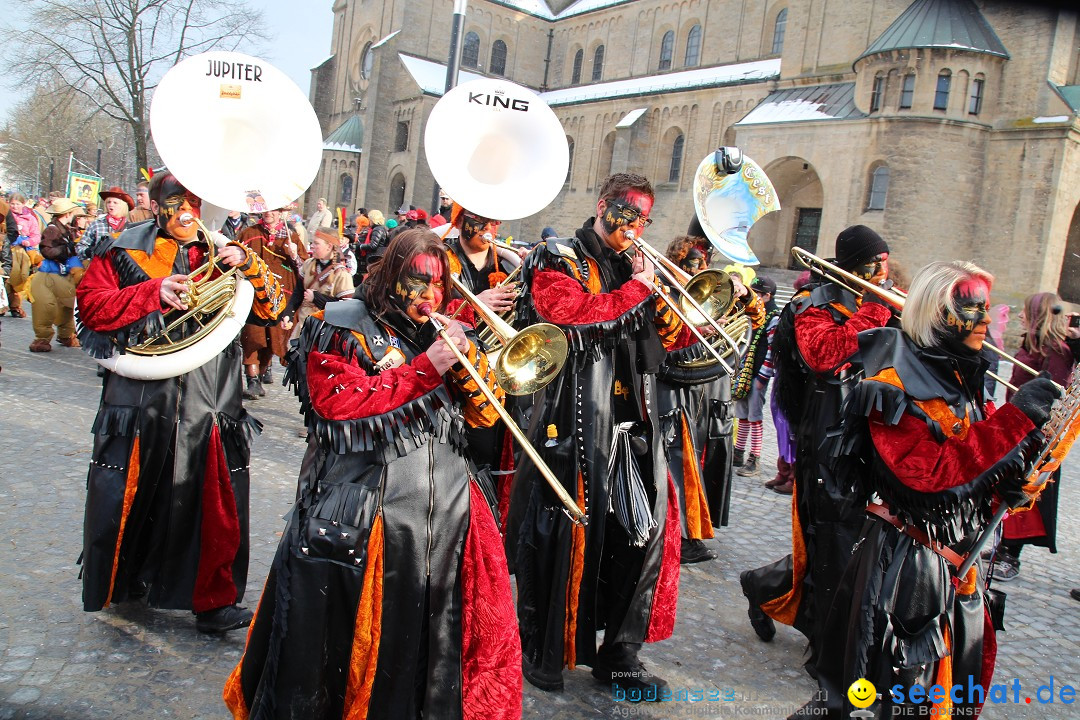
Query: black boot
(618, 664)
(763, 624)
(223, 619)
(737, 457)
(267, 378)
(695, 551)
(254, 389)
(540, 679)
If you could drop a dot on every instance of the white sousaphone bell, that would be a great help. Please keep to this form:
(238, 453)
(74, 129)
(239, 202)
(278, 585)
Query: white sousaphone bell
(497, 149)
(238, 133)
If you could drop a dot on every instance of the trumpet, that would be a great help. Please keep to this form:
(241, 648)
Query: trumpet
(835, 274)
(571, 508)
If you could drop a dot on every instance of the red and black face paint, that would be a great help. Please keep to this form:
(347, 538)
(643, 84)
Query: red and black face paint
(410, 291)
(626, 210)
(968, 319)
(473, 225)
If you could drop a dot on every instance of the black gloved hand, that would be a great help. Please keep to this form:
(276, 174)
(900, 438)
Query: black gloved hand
(1035, 397)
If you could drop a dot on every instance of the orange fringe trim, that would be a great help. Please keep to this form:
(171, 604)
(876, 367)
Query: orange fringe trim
(368, 630)
(784, 608)
(130, 487)
(573, 588)
(698, 520)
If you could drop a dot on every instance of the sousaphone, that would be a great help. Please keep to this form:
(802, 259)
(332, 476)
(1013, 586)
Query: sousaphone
(237, 132)
(499, 151)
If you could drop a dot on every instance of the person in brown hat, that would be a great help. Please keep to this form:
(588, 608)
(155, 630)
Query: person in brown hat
(117, 206)
(53, 285)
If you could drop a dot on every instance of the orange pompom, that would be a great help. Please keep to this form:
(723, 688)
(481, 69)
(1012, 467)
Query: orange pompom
(495, 278)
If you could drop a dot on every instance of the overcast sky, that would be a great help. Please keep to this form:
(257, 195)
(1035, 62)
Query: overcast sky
(301, 31)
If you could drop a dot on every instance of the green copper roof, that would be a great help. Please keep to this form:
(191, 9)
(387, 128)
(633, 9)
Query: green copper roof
(349, 136)
(1071, 95)
(940, 24)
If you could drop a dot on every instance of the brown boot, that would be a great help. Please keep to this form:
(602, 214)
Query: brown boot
(71, 342)
(40, 345)
(786, 489)
(750, 468)
(782, 469)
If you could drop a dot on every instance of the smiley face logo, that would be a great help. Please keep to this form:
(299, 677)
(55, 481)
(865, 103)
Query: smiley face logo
(862, 693)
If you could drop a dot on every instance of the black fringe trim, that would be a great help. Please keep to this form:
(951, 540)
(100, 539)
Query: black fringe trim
(247, 425)
(589, 343)
(947, 516)
(103, 345)
(116, 420)
(404, 428)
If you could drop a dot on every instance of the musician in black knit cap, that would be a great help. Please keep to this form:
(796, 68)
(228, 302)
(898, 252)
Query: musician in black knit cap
(813, 349)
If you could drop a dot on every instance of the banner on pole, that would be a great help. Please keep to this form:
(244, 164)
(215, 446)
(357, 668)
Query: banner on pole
(83, 189)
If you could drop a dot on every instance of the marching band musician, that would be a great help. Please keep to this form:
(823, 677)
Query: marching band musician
(167, 491)
(814, 347)
(482, 267)
(919, 432)
(684, 399)
(389, 595)
(618, 573)
(278, 245)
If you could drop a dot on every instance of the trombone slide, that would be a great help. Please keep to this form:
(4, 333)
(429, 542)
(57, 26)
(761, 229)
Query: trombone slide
(572, 509)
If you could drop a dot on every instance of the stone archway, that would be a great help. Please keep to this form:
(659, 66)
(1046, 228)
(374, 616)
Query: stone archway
(1069, 281)
(802, 198)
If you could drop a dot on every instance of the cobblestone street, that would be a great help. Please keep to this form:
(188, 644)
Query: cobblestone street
(60, 663)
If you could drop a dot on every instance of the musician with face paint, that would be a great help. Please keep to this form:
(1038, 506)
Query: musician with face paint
(389, 595)
(597, 427)
(167, 493)
(923, 450)
(814, 350)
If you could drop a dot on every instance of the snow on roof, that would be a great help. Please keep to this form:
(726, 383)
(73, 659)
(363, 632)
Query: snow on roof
(813, 102)
(431, 76)
(1051, 119)
(668, 82)
(540, 9)
(631, 118)
(385, 39)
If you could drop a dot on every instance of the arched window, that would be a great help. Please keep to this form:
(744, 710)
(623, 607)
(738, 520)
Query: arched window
(907, 91)
(598, 63)
(879, 188)
(367, 61)
(346, 189)
(667, 48)
(693, 47)
(975, 100)
(397, 193)
(470, 51)
(498, 58)
(675, 167)
(401, 137)
(941, 95)
(779, 27)
(877, 92)
(570, 166)
(579, 58)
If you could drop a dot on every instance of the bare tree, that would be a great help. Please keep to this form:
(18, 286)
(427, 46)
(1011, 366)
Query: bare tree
(50, 123)
(113, 52)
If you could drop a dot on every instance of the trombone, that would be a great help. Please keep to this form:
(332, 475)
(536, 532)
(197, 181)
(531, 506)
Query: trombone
(705, 288)
(835, 274)
(534, 338)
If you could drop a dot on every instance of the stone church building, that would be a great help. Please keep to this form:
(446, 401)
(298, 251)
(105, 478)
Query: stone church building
(950, 126)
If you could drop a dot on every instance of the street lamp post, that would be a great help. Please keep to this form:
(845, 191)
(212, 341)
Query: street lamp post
(52, 169)
(97, 166)
(453, 66)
